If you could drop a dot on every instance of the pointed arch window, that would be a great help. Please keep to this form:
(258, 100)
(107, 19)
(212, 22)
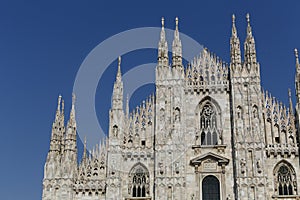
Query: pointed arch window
(285, 182)
(208, 125)
(139, 186)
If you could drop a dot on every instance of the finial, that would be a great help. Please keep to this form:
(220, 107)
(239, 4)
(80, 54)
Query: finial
(63, 105)
(127, 106)
(163, 22)
(119, 76)
(176, 21)
(119, 61)
(233, 18)
(73, 99)
(248, 18)
(58, 102)
(296, 55)
(249, 29)
(84, 150)
(290, 101)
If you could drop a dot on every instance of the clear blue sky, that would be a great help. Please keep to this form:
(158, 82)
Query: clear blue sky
(43, 43)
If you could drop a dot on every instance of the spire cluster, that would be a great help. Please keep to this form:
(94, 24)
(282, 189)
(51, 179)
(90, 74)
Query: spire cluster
(207, 69)
(63, 147)
(140, 123)
(280, 116)
(92, 170)
(250, 64)
(176, 47)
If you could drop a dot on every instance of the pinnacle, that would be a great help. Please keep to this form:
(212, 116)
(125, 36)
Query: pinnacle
(176, 21)
(119, 74)
(234, 32)
(248, 18)
(297, 56)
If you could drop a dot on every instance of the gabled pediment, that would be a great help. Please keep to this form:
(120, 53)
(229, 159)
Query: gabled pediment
(209, 156)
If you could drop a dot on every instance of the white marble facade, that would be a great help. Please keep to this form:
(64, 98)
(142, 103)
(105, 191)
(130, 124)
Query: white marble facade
(209, 133)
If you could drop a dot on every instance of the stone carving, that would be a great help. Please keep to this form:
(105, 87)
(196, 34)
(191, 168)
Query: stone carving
(243, 165)
(258, 166)
(161, 167)
(255, 112)
(115, 131)
(177, 115)
(192, 196)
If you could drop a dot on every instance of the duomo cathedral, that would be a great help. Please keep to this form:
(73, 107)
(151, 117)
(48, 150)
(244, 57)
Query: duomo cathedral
(209, 133)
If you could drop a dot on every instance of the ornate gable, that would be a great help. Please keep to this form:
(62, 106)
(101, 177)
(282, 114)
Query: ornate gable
(209, 158)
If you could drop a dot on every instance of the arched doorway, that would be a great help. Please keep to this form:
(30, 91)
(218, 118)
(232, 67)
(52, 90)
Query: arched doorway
(210, 188)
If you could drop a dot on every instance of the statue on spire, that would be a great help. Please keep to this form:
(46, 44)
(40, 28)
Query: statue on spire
(297, 58)
(176, 47)
(235, 51)
(234, 32)
(163, 59)
(118, 89)
(249, 29)
(119, 74)
(249, 47)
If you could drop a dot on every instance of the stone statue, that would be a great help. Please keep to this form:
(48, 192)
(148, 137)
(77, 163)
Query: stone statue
(243, 165)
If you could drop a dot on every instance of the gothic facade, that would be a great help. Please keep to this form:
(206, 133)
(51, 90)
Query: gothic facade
(209, 133)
